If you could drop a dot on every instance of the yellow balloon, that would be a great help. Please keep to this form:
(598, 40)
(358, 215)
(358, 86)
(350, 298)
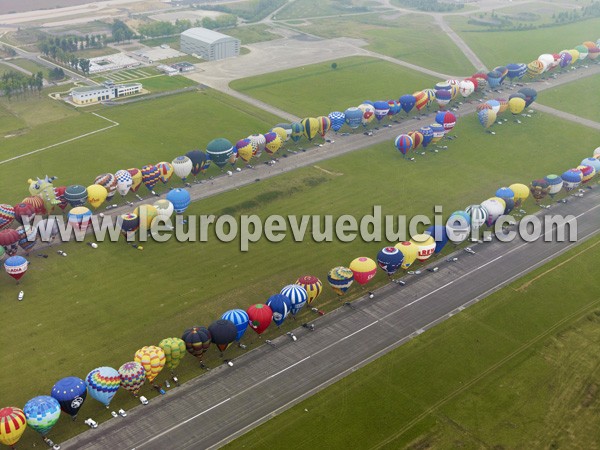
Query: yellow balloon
(152, 358)
(521, 193)
(96, 195)
(148, 211)
(574, 54)
(410, 250)
(281, 133)
(425, 244)
(311, 127)
(516, 105)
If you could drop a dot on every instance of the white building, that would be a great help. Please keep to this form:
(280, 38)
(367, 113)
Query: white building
(208, 44)
(88, 95)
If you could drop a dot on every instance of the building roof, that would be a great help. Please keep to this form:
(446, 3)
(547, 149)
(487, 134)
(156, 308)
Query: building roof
(205, 35)
(84, 89)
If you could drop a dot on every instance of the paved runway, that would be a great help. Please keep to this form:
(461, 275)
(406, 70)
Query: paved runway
(213, 409)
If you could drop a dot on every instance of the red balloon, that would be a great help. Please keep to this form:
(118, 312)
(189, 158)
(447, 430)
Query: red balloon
(24, 210)
(260, 317)
(59, 192)
(37, 203)
(9, 239)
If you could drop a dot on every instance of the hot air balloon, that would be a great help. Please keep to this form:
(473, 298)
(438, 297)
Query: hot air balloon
(353, 117)
(440, 236)
(592, 162)
(313, 286)
(409, 251)
(182, 167)
(486, 117)
(103, 383)
(337, 119)
(59, 193)
(150, 176)
(136, 178)
(7, 215)
(426, 246)
(12, 425)
(282, 133)
(220, 150)
(446, 119)
(310, 126)
(146, 214)
(244, 149)
(297, 296)
(438, 132)
(530, 95)
(281, 307)
(482, 80)
(508, 196)
(132, 376)
(109, 182)
(165, 171)
(571, 180)
(174, 349)
(199, 161)
(382, 108)
(442, 97)
(340, 279)
(539, 189)
(197, 340)
(70, 393)
(44, 189)
(494, 105)
(555, 184)
(521, 193)
(427, 133)
(325, 125)
(130, 223)
(368, 113)
(16, 266)
(297, 131)
(417, 138)
(180, 198)
(587, 173)
(494, 210)
(42, 413)
(403, 143)
(152, 358)
(9, 239)
(466, 88)
(407, 102)
(478, 215)
(25, 213)
(272, 142)
(124, 182)
(516, 105)
(389, 260)
(240, 319)
(260, 317)
(421, 100)
(458, 226)
(364, 269)
(79, 218)
(223, 332)
(76, 195)
(96, 195)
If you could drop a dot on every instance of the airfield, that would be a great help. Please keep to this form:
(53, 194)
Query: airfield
(234, 98)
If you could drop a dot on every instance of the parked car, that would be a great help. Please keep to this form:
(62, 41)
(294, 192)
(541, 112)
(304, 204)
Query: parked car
(91, 423)
(143, 400)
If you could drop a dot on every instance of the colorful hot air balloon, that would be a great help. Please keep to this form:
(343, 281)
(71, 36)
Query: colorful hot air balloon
(174, 349)
(146, 214)
(311, 127)
(440, 236)
(150, 176)
(409, 251)
(297, 131)
(180, 198)
(16, 266)
(337, 119)
(182, 167)
(353, 117)
(539, 189)
(403, 143)
(446, 119)
(466, 88)
(109, 182)
(197, 341)
(9, 239)
(282, 133)
(478, 215)
(508, 196)
(165, 171)
(124, 182)
(220, 150)
(382, 108)
(325, 125)
(152, 358)
(260, 317)
(96, 195)
(363, 269)
(407, 102)
(427, 133)
(587, 173)
(272, 142)
(425, 244)
(223, 332)
(130, 223)
(555, 184)
(42, 413)
(438, 132)
(340, 279)
(458, 226)
(592, 162)
(417, 138)
(28, 236)
(79, 218)
(313, 286)
(25, 213)
(240, 319)
(244, 149)
(368, 113)
(103, 383)
(198, 160)
(76, 195)
(421, 100)
(7, 215)
(44, 189)
(70, 392)
(486, 117)
(132, 376)
(12, 425)
(571, 180)
(389, 259)
(281, 307)
(442, 97)
(521, 193)
(136, 178)
(297, 296)
(530, 95)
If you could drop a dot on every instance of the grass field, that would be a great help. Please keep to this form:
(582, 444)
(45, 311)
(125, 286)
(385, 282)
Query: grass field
(332, 89)
(252, 33)
(172, 41)
(165, 83)
(504, 47)
(31, 66)
(418, 40)
(213, 276)
(315, 8)
(576, 98)
(518, 370)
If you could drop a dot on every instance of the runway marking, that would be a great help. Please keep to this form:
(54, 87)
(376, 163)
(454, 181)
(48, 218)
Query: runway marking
(287, 368)
(48, 147)
(183, 423)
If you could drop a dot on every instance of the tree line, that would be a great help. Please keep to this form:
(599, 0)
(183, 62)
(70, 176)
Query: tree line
(164, 28)
(13, 83)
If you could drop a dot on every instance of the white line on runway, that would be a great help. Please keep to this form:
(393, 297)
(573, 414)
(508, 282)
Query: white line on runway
(114, 124)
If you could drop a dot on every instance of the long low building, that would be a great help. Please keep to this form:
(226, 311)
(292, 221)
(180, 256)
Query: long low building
(87, 95)
(208, 44)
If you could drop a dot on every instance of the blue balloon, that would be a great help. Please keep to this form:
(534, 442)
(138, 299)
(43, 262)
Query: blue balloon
(42, 413)
(381, 109)
(407, 102)
(389, 259)
(494, 78)
(353, 117)
(337, 119)
(394, 107)
(427, 133)
(103, 383)
(440, 235)
(281, 307)
(297, 295)
(240, 319)
(70, 393)
(180, 199)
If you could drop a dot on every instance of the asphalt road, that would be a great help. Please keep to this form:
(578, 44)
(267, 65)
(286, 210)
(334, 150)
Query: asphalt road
(219, 406)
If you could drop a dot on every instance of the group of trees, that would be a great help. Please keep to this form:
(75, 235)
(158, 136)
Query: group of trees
(586, 12)
(13, 83)
(121, 32)
(70, 44)
(66, 58)
(164, 28)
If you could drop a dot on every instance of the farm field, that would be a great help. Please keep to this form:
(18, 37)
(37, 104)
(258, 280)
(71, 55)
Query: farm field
(576, 98)
(31, 66)
(252, 33)
(195, 282)
(504, 47)
(518, 370)
(314, 8)
(419, 40)
(344, 86)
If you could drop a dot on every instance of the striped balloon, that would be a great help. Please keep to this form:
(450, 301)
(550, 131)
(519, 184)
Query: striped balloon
(150, 176)
(174, 349)
(132, 376)
(152, 358)
(312, 285)
(109, 181)
(7, 215)
(297, 295)
(42, 413)
(240, 319)
(340, 279)
(12, 425)
(165, 171)
(103, 383)
(421, 100)
(324, 125)
(478, 215)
